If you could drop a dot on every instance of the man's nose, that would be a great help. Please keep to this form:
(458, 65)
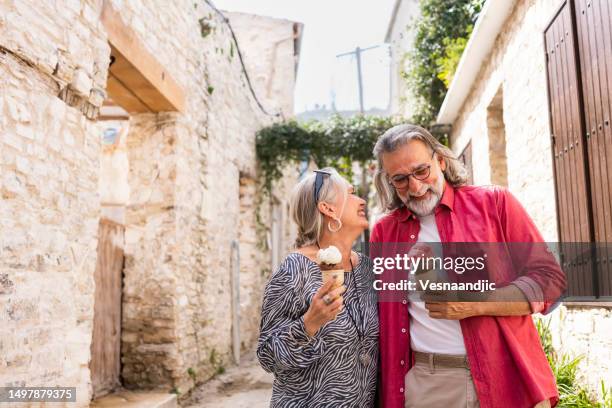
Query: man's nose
(414, 185)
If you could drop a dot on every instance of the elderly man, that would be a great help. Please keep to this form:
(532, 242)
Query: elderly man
(458, 354)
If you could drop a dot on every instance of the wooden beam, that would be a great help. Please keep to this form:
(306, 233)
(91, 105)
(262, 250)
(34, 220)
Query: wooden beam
(124, 97)
(103, 118)
(137, 81)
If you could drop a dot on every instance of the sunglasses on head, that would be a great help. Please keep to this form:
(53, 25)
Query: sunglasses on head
(319, 183)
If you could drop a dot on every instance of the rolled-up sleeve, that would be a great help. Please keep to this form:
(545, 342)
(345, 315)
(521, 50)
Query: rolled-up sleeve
(540, 277)
(284, 343)
(532, 291)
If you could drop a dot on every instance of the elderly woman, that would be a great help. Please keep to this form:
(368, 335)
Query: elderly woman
(321, 343)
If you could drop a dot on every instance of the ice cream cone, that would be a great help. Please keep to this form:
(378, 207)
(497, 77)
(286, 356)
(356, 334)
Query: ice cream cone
(330, 274)
(330, 260)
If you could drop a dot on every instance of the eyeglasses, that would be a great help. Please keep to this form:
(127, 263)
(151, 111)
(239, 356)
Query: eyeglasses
(402, 180)
(319, 183)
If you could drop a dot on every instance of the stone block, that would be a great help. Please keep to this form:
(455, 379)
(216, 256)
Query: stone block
(23, 165)
(81, 83)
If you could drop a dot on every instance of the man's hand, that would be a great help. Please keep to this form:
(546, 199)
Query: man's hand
(452, 305)
(453, 310)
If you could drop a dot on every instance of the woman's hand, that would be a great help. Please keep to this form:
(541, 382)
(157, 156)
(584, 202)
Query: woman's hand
(320, 312)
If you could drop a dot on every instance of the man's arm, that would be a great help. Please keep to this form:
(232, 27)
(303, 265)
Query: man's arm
(541, 281)
(506, 301)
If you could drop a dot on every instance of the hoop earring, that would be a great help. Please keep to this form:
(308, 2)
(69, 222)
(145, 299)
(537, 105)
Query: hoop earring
(329, 227)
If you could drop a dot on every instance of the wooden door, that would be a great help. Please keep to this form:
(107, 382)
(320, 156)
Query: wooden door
(105, 362)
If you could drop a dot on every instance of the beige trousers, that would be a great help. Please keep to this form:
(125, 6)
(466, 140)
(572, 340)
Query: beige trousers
(442, 387)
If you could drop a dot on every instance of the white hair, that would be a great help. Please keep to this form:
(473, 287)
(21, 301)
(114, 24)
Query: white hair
(455, 172)
(304, 209)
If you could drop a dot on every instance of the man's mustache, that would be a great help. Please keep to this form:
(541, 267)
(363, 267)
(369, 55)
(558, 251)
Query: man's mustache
(419, 194)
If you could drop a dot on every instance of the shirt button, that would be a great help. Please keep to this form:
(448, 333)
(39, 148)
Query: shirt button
(404, 301)
(412, 236)
(402, 362)
(402, 389)
(403, 330)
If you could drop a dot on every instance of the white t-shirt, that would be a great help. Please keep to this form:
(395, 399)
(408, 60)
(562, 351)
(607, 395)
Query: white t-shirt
(426, 334)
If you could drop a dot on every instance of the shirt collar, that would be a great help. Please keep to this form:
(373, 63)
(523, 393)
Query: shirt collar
(447, 200)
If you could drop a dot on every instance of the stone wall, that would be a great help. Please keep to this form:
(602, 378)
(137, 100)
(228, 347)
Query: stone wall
(523, 93)
(187, 201)
(187, 206)
(586, 331)
(525, 113)
(52, 66)
(270, 67)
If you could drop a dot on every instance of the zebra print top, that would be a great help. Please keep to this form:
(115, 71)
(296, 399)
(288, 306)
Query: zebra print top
(334, 368)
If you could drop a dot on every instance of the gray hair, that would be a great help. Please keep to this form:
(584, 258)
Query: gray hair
(304, 209)
(455, 173)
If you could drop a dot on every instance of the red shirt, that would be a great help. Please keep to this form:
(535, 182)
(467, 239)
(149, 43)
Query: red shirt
(507, 362)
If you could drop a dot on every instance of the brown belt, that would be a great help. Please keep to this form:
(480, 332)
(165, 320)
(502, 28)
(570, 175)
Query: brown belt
(441, 360)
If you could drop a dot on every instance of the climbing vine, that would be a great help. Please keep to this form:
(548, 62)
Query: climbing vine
(339, 142)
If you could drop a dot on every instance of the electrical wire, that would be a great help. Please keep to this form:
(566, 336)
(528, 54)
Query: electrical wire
(246, 74)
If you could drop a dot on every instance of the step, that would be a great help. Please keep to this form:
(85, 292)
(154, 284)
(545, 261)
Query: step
(135, 399)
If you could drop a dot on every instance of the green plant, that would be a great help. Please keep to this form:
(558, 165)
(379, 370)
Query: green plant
(565, 369)
(206, 27)
(441, 32)
(216, 361)
(214, 357)
(338, 142)
(191, 372)
(447, 64)
(278, 145)
(606, 395)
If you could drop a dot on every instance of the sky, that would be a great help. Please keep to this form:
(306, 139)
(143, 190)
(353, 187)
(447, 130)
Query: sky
(332, 27)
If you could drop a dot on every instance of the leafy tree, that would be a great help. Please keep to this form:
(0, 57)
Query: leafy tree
(449, 62)
(442, 31)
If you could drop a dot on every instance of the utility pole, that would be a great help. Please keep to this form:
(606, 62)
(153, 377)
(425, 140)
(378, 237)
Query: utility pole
(365, 186)
(357, 53)
(359, 78)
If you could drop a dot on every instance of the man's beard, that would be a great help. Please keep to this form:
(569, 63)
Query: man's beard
(425, 206)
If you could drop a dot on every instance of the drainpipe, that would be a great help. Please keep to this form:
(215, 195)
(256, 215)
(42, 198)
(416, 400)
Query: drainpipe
(235, 287)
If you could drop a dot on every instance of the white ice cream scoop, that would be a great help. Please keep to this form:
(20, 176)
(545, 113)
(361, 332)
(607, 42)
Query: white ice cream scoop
(330, 255)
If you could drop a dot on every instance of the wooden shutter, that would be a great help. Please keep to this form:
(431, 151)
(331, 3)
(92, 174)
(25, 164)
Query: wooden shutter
(593, 28)
(567, 142)
(578, 45)
(466, 158)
